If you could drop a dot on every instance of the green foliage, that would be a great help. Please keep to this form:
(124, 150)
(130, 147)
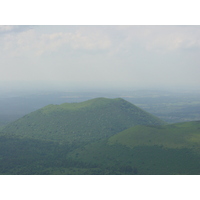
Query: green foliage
(74, 122)
(114, 155)
(99, 136)
(29, 156)
(146, 150)
(180, 135)
(141, 160)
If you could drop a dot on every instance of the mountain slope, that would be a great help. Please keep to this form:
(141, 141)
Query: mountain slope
(80, 122)
(167, 149)
(179, 135)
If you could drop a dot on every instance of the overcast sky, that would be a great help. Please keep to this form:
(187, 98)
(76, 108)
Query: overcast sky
(102, 56)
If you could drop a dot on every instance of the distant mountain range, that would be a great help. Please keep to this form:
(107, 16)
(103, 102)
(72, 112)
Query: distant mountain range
(98, 136)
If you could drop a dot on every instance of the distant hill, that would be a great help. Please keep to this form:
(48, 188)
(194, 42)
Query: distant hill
(175, 136)
(80, 122)
(167, 149)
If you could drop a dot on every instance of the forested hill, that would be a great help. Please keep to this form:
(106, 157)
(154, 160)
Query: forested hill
(86, 121)
(146, 150)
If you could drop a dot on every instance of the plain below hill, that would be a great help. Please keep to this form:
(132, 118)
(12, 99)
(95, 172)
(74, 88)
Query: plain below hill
(80, 122)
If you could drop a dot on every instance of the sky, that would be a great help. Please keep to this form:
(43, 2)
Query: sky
(113, 56)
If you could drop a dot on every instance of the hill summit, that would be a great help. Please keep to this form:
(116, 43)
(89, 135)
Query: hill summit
(80, 122)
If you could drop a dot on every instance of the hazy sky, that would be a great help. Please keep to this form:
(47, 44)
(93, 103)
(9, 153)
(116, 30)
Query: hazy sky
(99, 56)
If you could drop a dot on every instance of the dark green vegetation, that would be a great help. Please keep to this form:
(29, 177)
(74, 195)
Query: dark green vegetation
(168, 149)
(80, 122)
(180, 135)
(98, 136)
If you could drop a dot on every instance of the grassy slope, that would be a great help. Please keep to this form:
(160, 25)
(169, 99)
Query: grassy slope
(171, 149)
(180, 135)
(74, 122)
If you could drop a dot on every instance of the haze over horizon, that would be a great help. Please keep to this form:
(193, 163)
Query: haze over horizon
(100, 56)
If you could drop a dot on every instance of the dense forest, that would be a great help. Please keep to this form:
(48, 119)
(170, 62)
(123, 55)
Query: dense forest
(99, 136)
